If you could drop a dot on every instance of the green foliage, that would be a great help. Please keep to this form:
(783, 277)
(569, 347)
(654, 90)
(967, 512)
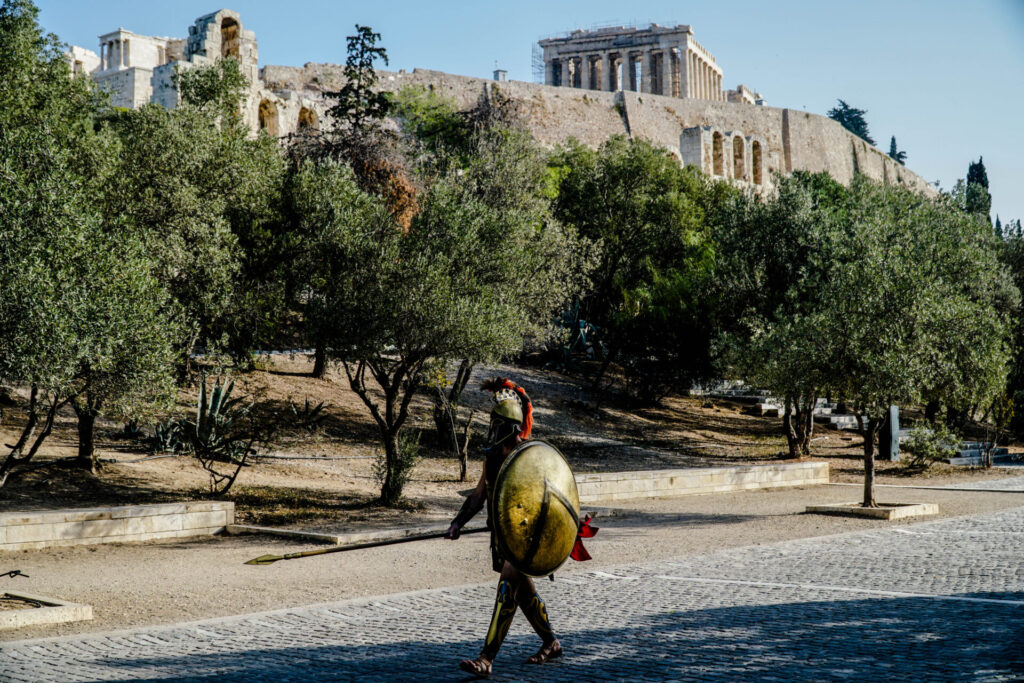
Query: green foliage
(929, 443)
(897, 155)
(220, 86)
(394, 473)
(84, 321)
(309, 417)
(480, 271)
(36, 88)
(168, 436)
(886, 297)
(430, 118)
(852, 120)
(223, 431)
(976, 173)
(1012, 258)
(978, 201)
(214, 433)
(359, 104)
(649, 218)
(206, 201)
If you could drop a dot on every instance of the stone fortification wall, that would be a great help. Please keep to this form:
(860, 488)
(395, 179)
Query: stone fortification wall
(738, 141)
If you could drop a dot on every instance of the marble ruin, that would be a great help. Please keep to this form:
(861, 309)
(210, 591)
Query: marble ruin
(659, 60)
(139, 69)
(657, 83)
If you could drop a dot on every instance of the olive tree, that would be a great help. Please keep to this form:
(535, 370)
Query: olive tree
(464, 281)
(773, 259)
(206, 200)
(650, 219)
(82, 319)
(925, 308)
(889, 296)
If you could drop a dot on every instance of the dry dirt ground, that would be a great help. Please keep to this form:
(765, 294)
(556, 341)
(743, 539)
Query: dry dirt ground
(324, 480)
(328, 474)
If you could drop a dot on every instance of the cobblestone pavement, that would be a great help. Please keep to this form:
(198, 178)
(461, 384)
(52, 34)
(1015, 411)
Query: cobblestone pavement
(937, 601)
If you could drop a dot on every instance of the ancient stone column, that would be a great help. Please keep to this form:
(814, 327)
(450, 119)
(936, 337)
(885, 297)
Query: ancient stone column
(691, 76)
(607, 82)
(564, 80)
(549, 72)
(585, 74)
(678, 82)
(646, 66)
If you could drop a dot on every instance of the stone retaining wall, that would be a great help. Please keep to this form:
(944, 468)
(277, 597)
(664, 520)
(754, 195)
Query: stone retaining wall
(595, 488)
(33, 530)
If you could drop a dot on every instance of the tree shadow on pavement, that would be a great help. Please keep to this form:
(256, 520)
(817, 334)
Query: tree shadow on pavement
(877, 638)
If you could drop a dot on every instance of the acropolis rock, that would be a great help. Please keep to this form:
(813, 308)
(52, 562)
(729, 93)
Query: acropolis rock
(656, 83)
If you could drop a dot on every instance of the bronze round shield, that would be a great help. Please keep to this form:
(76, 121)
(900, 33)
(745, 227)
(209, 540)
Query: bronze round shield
(535, 508)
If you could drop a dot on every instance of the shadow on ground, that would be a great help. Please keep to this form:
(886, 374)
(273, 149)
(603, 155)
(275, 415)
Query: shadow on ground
(920, 639)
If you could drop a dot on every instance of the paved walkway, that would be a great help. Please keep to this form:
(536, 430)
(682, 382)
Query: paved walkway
(1008, 484)
(938, 601)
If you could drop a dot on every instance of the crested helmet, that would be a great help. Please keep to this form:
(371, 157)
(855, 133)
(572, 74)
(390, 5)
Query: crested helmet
(511, 411)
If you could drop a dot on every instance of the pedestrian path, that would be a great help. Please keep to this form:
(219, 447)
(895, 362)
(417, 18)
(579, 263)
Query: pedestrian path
(937, 601)
(1007, 484)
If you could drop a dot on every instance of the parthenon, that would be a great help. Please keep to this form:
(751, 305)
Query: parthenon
(660, 60)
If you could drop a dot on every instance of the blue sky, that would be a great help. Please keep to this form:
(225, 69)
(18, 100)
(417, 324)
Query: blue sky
(946, 78)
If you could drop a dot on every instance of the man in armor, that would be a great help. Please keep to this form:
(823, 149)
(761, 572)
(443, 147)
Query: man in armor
(511, 424)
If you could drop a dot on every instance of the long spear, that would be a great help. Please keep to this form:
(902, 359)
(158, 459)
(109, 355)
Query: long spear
(270, 559)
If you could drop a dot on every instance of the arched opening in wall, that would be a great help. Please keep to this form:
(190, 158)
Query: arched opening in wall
(308, 121)
(755, 153)
(717, 155)
(738, 171)
(268, 118)
(229, 30)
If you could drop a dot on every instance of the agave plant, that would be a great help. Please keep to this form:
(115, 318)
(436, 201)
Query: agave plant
(222, 432)
(131, 430)
(167, 437)
(218, 432)
(309, 416)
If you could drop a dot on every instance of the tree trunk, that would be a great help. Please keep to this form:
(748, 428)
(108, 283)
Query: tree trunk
(320, 362)
(86, 445)
(789, 430)
(868, 432)
(931, 411)
(446, 408)
(805, 447)
(798, 426)
(391, 488)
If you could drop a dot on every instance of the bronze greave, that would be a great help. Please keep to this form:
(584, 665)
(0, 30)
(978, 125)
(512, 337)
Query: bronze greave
(537, 614)
(501, 620)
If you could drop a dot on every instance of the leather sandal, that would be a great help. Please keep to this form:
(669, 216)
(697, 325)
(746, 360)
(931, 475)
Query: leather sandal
(548, 651)
(481, 666)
